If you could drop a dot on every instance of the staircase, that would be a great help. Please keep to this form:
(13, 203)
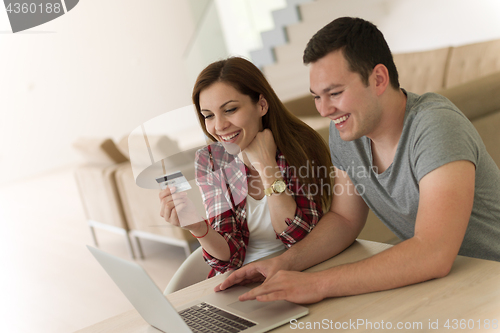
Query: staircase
(278, 36)
(281, 57)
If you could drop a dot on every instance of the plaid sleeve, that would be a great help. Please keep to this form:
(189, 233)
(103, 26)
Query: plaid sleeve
(223, 218)
(307, 213)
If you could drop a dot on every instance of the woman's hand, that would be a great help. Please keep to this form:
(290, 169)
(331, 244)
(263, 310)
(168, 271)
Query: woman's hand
(177, 209)
(261, 152)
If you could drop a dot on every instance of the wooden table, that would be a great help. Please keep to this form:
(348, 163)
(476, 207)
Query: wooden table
(467, 300)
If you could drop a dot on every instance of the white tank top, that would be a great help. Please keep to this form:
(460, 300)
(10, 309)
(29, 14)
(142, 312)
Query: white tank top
(262, 241)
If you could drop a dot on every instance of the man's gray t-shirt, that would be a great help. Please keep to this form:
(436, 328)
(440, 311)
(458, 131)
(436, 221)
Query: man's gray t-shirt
(435, 132)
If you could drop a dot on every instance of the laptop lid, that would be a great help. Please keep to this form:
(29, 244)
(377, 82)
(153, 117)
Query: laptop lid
(155, 308)
(142, 292)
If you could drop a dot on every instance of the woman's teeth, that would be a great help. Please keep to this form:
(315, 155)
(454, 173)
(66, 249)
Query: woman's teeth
(341, 119)
(229, 137)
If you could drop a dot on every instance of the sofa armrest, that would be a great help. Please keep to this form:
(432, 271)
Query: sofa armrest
(99, 151)
(477, 98)
(100, 199)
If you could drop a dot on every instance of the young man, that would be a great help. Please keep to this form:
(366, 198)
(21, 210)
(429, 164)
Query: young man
(416, 161)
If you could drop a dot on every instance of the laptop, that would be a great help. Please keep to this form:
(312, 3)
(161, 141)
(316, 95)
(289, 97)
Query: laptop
(217, 312)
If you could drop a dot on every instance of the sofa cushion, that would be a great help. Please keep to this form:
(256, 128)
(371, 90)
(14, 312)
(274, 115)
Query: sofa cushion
(122, 146)
(302, 106)
(99, 150)
(488, 130)
(421, 72)
(472, 61)
(476, 98)
(99, 195)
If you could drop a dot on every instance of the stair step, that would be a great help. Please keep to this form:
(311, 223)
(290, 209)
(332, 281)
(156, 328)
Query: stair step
(262, 57)
(278, 36)
(285, 16)
(288, 75)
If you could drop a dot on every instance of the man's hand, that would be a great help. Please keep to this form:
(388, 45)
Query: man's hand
(254, 272)
(279, 283)
(296, 287)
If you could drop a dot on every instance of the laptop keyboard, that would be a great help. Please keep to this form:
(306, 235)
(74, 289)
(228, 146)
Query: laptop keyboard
(207, 318)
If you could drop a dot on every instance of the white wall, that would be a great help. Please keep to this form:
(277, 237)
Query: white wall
(102, 69)
(416, 25)
(208, 44)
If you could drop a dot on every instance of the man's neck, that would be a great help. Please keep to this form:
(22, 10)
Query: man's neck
(385, 140)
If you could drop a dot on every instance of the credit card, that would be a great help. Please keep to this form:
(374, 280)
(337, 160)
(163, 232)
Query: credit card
(176, 179)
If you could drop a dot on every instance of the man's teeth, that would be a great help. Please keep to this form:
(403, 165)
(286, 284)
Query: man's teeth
(341, 119)
(229, 137)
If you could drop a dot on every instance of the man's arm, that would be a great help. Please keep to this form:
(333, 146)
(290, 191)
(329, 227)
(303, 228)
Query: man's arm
(446, 199)
(336, 230)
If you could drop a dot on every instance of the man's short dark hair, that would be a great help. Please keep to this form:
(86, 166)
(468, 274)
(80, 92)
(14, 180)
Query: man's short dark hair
(362, 44)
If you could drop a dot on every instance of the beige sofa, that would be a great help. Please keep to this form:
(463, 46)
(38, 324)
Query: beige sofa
(96, 183)
(113, 202)
(468, 75)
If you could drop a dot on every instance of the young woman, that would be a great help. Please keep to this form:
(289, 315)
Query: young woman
(259, 179)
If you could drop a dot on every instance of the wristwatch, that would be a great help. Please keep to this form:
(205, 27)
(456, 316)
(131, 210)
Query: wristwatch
(278, 186)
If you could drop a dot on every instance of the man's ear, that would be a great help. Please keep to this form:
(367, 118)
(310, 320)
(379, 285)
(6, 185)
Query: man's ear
(380, 78)
(263, 105)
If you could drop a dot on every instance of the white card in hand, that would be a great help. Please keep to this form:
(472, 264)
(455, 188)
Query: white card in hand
(176, 179)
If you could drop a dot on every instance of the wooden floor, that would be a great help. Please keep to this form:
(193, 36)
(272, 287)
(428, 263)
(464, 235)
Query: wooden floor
(50, 281)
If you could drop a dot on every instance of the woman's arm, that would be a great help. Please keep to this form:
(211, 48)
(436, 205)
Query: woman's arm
(282, 206)
(307, 212)
(293, 212)
(225, 220)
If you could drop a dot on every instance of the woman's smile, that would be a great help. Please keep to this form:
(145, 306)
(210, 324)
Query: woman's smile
(232, 137)
(230, 116)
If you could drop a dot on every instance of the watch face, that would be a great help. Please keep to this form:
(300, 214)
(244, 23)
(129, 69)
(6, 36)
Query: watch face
(279, 186)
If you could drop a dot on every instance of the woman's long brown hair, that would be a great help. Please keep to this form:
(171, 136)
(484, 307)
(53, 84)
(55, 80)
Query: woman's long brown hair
(299, 143)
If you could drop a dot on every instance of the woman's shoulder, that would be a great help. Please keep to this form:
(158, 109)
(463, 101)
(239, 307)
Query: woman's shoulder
(202, 156)
(281, 159)
(214, 151)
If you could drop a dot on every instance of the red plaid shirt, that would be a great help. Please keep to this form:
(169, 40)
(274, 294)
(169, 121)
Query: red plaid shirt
(222, 178)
